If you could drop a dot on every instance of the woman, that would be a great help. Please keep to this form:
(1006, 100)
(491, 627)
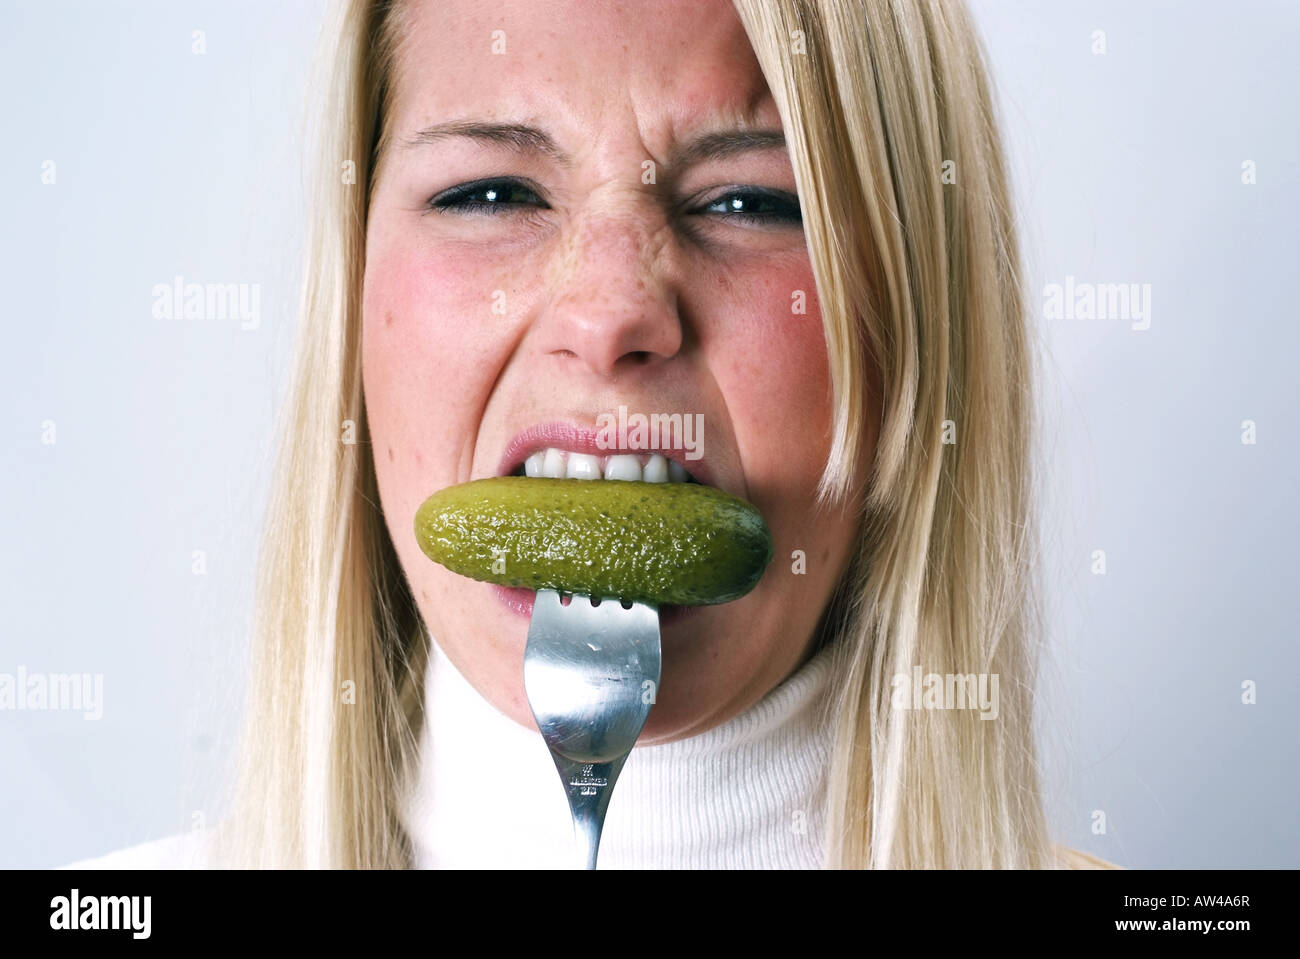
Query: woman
(787, 217)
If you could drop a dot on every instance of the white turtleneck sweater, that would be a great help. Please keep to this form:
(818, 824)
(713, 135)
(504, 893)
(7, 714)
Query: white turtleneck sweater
(748, 794)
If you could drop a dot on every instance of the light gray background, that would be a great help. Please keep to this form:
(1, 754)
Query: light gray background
(1127, 169)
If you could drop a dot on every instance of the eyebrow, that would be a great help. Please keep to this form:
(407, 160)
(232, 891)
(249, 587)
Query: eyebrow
(517, 136)
(523, 138)
(726, 143)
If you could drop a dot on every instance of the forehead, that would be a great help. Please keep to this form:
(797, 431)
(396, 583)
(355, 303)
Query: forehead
(672, 66)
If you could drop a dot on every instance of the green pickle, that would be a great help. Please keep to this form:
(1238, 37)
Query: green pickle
(678, 544)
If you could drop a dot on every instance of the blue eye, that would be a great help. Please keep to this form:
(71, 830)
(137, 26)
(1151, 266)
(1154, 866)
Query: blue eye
(766, 207)
(486, 197)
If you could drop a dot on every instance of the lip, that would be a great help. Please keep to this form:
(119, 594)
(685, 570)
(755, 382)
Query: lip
(581, 439)
(520, 600)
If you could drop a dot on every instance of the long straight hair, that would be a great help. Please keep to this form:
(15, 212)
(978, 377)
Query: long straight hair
(898, 160)
(900, 173)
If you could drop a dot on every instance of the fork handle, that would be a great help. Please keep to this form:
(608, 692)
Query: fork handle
(588, 787)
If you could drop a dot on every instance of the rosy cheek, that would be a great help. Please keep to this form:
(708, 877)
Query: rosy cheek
(775, 381)
(411, 308)
(415, 369)
(442, 320)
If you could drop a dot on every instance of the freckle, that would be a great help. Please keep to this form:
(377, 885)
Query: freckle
(826, 553)
(390, 454)
(388, 318)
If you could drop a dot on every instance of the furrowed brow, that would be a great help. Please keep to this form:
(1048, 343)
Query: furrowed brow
(523, 138)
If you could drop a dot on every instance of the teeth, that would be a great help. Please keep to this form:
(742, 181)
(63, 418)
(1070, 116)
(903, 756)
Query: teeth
(558, 464)
(582, 466)
(553, 464)
(623, 468)
(656, 470)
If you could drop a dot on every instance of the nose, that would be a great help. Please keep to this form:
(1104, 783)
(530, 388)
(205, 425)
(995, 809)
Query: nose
(614, 303)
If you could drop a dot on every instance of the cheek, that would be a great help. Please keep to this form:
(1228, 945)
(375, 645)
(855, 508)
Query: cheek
(430, 355)
(773, 374)
(774, 380)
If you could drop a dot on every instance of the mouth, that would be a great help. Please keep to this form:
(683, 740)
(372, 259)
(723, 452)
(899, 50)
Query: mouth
(559, 451)
(563, 451)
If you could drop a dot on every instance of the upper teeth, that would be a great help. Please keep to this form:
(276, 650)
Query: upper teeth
(558, 464)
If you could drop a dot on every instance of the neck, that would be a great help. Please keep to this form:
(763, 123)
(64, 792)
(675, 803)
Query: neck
(746, 794)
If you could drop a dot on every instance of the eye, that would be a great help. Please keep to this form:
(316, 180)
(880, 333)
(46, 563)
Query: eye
(486, 197)
(756, 206)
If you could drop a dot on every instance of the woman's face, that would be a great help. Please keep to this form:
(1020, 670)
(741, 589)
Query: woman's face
(637, 244)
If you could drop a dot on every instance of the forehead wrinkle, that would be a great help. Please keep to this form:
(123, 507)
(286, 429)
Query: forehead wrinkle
(695, 125)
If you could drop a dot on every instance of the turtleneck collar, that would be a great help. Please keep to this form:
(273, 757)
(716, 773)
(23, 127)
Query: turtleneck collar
(749, 793)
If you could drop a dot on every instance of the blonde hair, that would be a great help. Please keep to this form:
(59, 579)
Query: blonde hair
(918, 281)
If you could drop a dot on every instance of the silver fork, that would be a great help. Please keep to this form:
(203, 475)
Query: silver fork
(591, 673)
